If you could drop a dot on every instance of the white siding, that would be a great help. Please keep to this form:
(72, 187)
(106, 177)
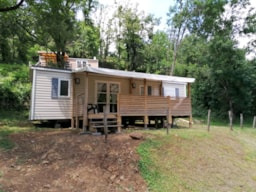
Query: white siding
(169, 89)
(45, 107)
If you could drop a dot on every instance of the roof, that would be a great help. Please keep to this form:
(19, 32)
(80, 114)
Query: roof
(137, 75)
(126, 74)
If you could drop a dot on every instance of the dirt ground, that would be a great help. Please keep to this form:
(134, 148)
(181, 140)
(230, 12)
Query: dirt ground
(64, 160)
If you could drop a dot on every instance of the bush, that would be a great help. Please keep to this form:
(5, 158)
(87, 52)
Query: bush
(15, 87)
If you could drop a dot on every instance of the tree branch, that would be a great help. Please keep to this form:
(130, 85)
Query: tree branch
(12, 8)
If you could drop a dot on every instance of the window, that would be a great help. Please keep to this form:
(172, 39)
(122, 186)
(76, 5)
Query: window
(177, 92)
(107, 96)
(150, 91)
(60, 88)
(81, 63)
(64, 91)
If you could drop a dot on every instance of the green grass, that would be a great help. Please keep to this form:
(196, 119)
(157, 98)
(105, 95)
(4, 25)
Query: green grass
(197, 160)
(12, 122)
(14, 118)
(5, 131)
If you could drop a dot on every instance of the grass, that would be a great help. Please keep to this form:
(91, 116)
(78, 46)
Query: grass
(12, 122)
(5, 131)
(197, 160)
(14, 119)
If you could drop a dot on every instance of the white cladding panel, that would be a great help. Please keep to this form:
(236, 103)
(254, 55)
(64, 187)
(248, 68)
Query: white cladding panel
(171, 89)
(46, 107)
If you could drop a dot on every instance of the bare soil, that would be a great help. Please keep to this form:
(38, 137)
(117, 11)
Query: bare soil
(63, 160)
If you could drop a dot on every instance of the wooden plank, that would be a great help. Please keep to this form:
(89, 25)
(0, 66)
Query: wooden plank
(130, 105)
(85, 113)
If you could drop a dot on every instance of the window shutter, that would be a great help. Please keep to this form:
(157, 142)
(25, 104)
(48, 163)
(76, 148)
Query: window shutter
(55, 82)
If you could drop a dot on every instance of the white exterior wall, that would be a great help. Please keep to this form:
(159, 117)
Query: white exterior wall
(169, 89)
(43, 106)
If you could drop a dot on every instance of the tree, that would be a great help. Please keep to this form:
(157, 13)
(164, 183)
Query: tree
(87, 43)
(230, 77)
(15, 41)
(124, 36)
(157, 53)
(56, 24)
(179, 15)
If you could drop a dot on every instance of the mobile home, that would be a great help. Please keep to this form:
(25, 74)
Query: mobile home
(83, 93)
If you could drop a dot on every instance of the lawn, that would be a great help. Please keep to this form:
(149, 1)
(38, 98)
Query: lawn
(197, 160)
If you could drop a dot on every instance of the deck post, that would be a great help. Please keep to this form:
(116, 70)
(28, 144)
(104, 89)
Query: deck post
(119, 119)
(169, 111)
(76, 113)
(168, 120)
(85, 113)
(145, 106)
(189, 96)
(190, 121)
(105, 122)
(161, 89)
(189, 90)
(130, 86)
(73, 103)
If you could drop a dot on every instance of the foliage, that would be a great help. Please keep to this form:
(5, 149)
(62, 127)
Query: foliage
(200, 41)
(87, 44)
(124, 36)
(158, 54)
(15, 87)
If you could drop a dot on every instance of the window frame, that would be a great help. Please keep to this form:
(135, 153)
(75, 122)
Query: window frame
(59, 88)
(56, 88)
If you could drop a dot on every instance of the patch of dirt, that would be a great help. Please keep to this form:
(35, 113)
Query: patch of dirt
(66, 161)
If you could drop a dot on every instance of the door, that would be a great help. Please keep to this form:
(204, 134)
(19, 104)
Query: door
(107, 96)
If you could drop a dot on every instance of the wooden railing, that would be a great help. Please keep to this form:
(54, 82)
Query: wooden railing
(135, 105)
(131, 105)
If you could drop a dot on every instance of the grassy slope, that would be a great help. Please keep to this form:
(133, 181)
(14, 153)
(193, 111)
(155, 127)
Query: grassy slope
(12, 122)
(195, 160)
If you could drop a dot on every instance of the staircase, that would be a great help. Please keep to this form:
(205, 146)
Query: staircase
(97, 124)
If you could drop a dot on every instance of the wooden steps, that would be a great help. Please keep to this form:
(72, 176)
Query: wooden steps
(97, 125)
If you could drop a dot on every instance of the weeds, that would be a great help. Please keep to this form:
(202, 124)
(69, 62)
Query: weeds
(146, 164)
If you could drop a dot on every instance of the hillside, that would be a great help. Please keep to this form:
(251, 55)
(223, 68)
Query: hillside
(184, 160)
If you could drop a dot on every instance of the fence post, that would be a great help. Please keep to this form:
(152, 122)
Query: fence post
(254, 122)
(105, 124)
(168, 120)
(230, 119)
(241, 120)
(208, 120)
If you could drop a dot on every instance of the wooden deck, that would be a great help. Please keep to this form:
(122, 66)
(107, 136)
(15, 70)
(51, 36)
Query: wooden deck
(141, 106)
